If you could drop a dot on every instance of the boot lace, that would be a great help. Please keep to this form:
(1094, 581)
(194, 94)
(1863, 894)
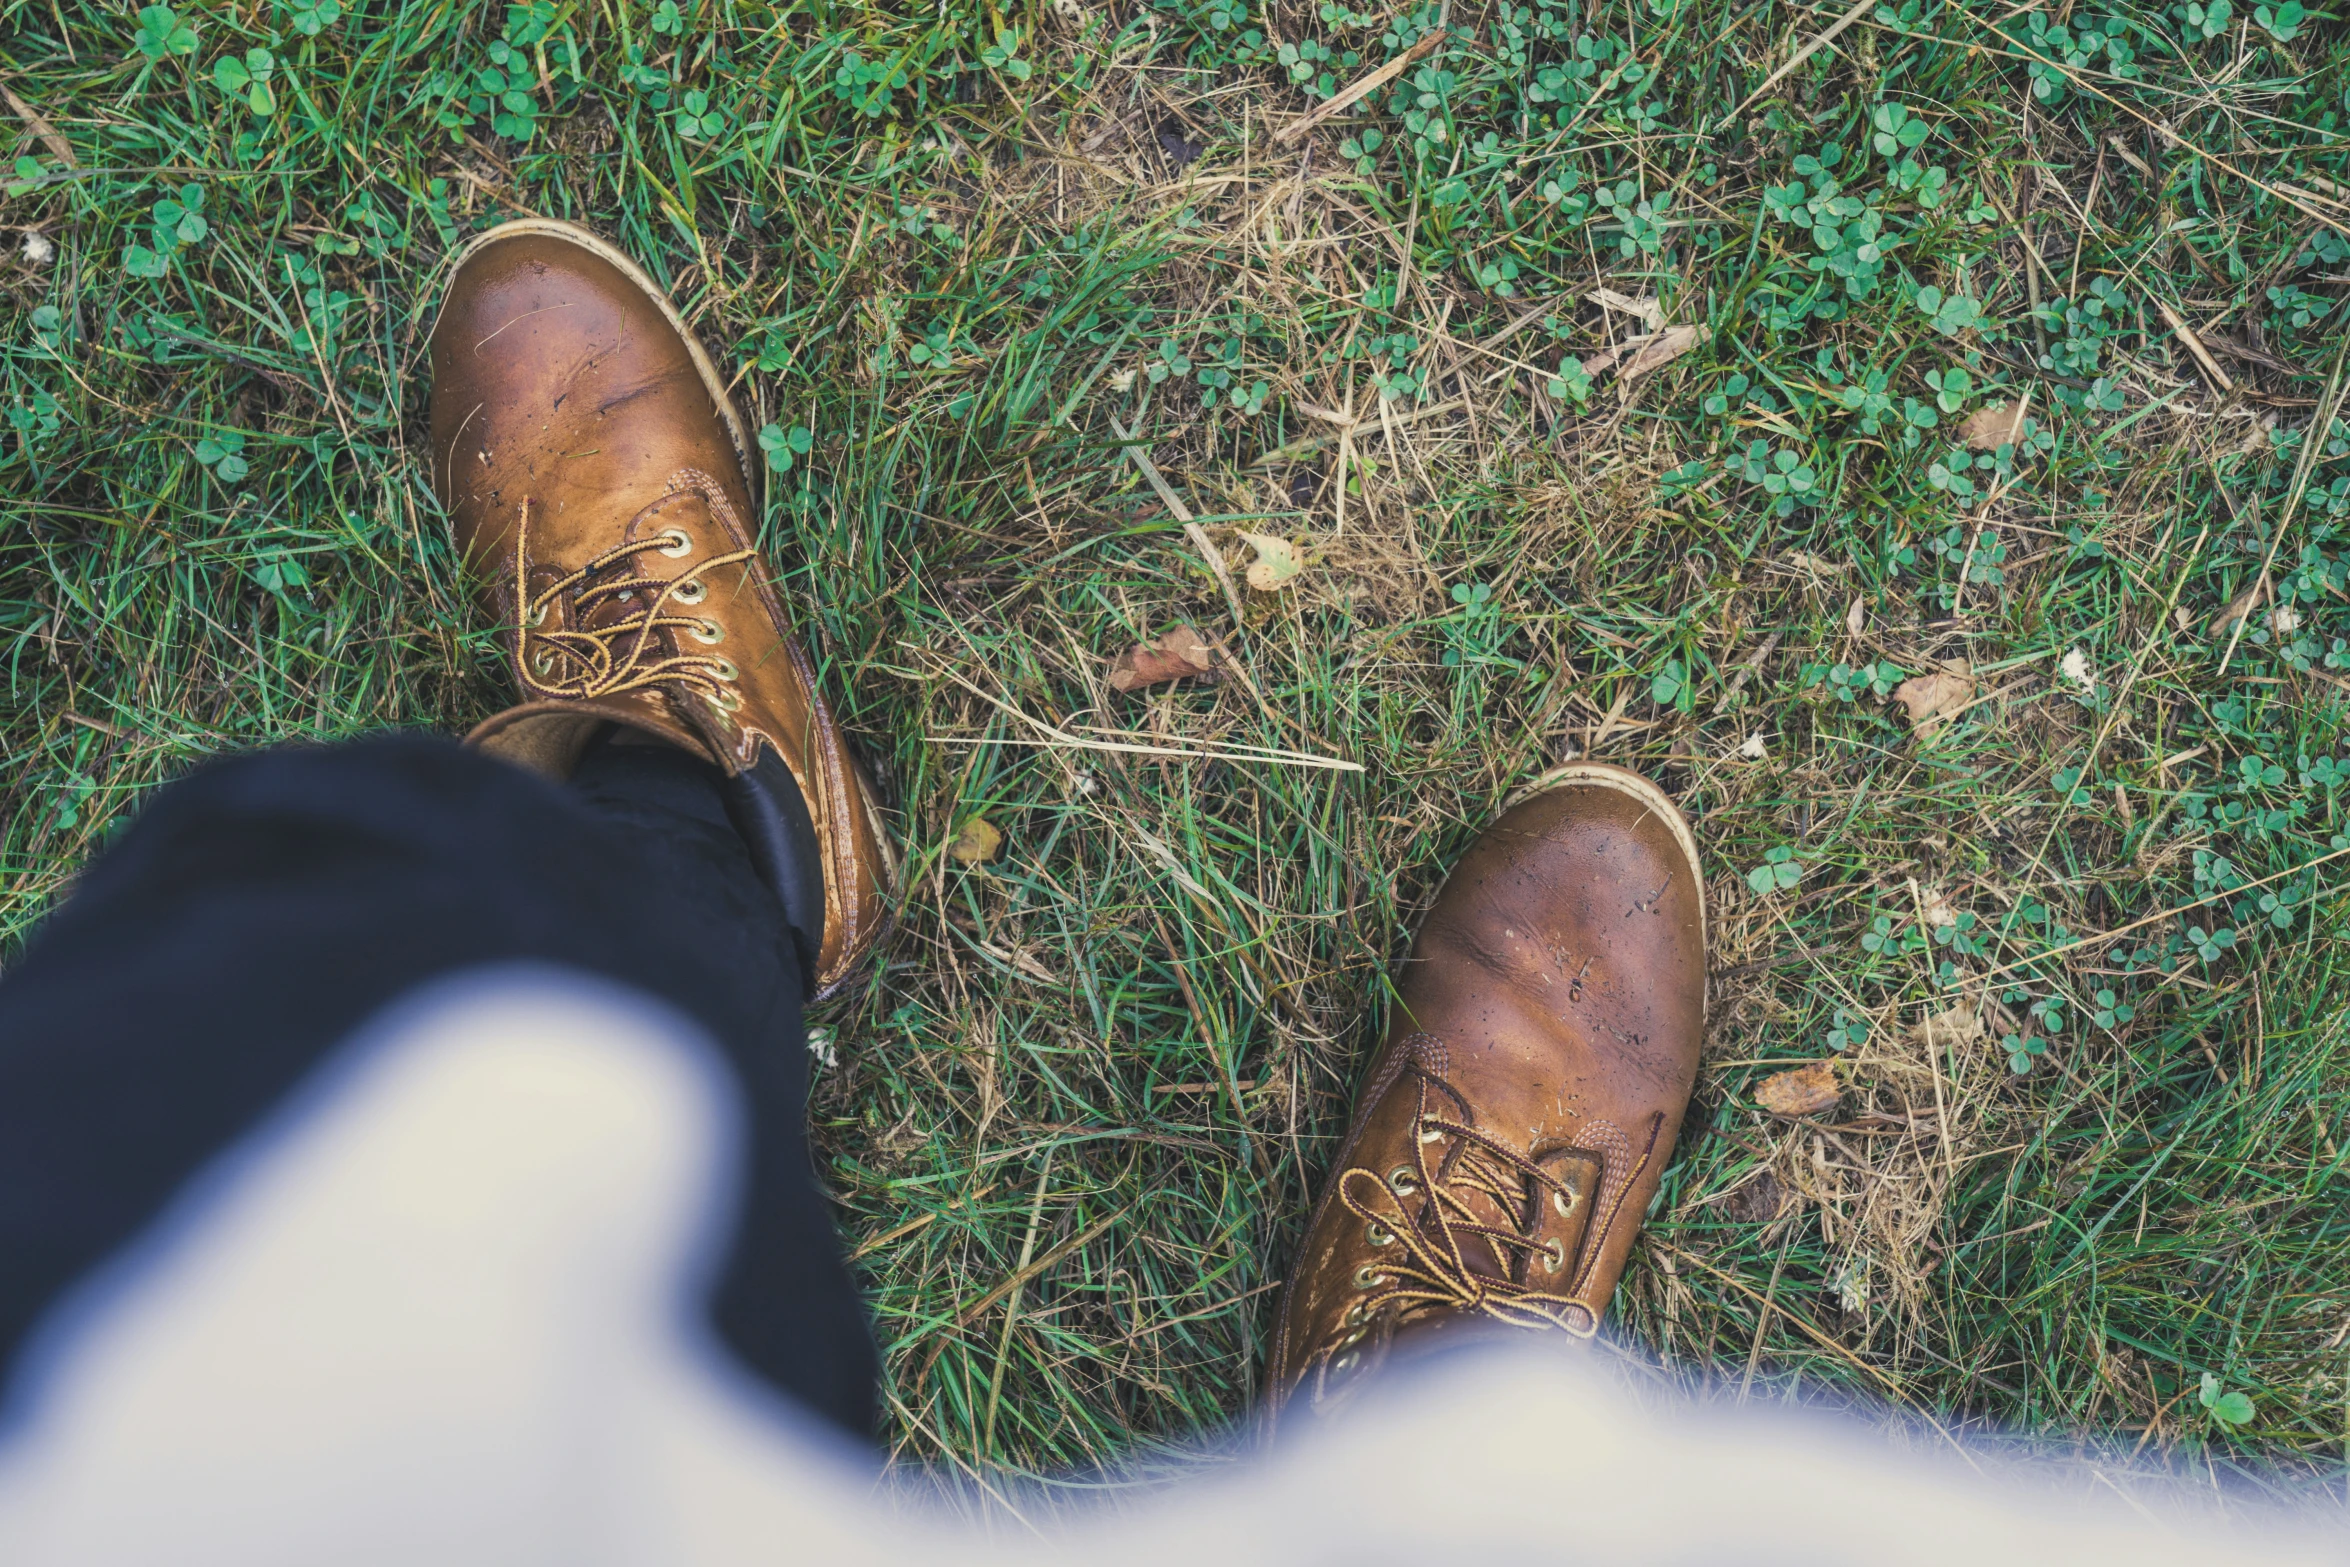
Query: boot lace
(1464, 1178)
(629, 651)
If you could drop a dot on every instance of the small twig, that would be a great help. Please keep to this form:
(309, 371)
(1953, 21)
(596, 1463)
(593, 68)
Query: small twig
(2010, 689)
(2313, 441)
(1983, 514)
(1057, 736)
(1364, 86)
(995, 1384)
(1250, 1154)
(2184, 908)
(1171, 753)
(978, 1308)
(1192, 530)
(1934, 1052)
(867, 1248)
(1825, 38)
(1746, 672)
(1348, 428)
(2193, 344)
(2298, 200)
(1232, 664)
(58, 146)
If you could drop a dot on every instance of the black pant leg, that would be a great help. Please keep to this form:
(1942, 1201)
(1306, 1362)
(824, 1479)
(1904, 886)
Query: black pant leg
(261, 909)
(771, 1301)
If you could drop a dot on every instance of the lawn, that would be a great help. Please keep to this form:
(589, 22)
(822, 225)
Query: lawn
(1896, 429)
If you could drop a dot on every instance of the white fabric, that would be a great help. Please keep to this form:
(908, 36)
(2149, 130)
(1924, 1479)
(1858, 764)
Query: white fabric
(441, 1311)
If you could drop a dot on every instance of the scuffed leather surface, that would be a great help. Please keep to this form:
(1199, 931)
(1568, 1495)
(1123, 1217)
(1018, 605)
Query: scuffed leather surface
(1558, 985)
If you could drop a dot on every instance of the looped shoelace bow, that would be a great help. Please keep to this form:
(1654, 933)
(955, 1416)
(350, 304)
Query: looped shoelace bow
(1435, 1270)
(593, 662)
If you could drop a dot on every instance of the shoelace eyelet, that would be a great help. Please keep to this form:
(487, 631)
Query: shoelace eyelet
(1368, 1277)
(1479, 1172)
(709, 633)
(1403, 1180)
(623, 652)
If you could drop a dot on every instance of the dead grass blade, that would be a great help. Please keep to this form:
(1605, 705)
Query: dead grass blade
(1826, 36)
(59, 147)
(1362, 87)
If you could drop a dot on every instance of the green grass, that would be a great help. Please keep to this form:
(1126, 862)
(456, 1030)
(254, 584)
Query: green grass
(1078, 1115)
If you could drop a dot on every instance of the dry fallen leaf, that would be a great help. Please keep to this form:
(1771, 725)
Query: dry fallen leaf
(2241, 609)
(1960, 1025)
(1177, 654)
(1856, 618)
(1646, 307)
(1988, 429)
(1646, 352)
(1752, 748)
(1663, 348)
(1803, 1090)
(2284, 620)
(1932, 696)
(977, 843)
(1276, 563)
(1938, 909)
(1608, 356)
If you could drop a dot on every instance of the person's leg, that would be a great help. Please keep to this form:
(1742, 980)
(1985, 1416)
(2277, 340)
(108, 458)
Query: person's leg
(785, 1302)
(729, 859)
(262, 909)
(603, 491)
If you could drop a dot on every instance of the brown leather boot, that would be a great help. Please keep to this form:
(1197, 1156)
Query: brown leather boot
(1521, 1111)
(603, 496)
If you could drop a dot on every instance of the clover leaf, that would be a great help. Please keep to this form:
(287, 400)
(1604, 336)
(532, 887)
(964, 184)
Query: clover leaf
(2228, 1407)
(785, 447)
(224, 455)
(248, 79)
(1779, 871)
(161, 33)
(312, 17)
